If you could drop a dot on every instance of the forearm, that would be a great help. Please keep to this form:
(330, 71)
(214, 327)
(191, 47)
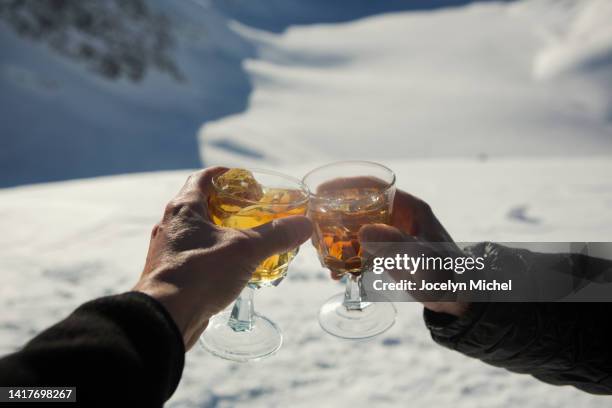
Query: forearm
(123, 347)
(560, 343)
(555, 342)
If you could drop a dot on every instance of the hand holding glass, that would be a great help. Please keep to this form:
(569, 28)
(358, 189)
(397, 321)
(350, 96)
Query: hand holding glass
(344, 197)
(245, 199)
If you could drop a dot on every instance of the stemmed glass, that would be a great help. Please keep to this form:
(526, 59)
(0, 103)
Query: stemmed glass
(344, 196)
(246, 199)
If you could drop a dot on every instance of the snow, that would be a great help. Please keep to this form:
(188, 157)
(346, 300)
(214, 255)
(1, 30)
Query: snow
(497, 114)
(125, 126)
(65, 243)
(486, 79)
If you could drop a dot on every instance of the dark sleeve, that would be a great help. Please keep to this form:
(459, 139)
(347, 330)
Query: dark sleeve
(118, 349)
(558, 343)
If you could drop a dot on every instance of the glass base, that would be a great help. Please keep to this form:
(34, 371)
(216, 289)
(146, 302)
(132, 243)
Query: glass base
(372, 320)
(262, 340)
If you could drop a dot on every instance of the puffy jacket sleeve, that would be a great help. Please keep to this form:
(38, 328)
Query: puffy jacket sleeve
(558, 343)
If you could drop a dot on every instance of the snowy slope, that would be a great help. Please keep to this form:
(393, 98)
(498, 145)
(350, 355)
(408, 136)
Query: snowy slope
(67, 242)
(527, 78)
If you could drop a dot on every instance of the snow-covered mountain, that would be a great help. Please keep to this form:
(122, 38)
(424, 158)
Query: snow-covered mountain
(322, 79)
(68, 114)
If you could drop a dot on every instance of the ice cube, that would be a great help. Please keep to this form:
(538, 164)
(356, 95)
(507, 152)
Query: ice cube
(278, 196)
(240, 183)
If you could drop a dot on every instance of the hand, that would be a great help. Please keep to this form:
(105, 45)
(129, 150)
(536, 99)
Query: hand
(195, 268)
(413, 221)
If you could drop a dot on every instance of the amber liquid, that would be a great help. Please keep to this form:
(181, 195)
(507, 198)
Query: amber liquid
(338, 215)
(227, 211)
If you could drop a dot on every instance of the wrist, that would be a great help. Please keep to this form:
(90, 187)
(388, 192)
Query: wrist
(457, 309)
(165, 294)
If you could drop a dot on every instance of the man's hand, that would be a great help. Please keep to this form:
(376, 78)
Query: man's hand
(414, 221)
(195, 268)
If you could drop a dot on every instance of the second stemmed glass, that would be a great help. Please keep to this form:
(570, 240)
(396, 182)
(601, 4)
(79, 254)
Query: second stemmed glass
(344, 196)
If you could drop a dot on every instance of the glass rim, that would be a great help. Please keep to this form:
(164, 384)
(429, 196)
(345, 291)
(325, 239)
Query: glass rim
(388, 185)
(301, 186)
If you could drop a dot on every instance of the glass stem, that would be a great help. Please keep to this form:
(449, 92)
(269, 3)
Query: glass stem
(354, 295)
(243, 313)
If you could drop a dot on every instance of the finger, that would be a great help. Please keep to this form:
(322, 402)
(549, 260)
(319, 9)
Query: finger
(201, 181)
(374, 236)
(380, 233)
(408, 201)
(415, 216)
(280, 235)
(370, 236)
(336, 275)
(191, 199)
(407, 212)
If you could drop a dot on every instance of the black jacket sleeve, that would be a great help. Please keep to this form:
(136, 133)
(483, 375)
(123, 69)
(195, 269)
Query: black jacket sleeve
(117, 350)
(558, 343)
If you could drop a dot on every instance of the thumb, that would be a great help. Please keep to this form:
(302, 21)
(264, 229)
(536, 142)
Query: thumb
(371, 234)
(281, 235)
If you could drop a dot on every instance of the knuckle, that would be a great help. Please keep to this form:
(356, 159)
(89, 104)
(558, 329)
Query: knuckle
(193, 177)
(184, 207)
(155, 230)
(170, 208)
(191, 208)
